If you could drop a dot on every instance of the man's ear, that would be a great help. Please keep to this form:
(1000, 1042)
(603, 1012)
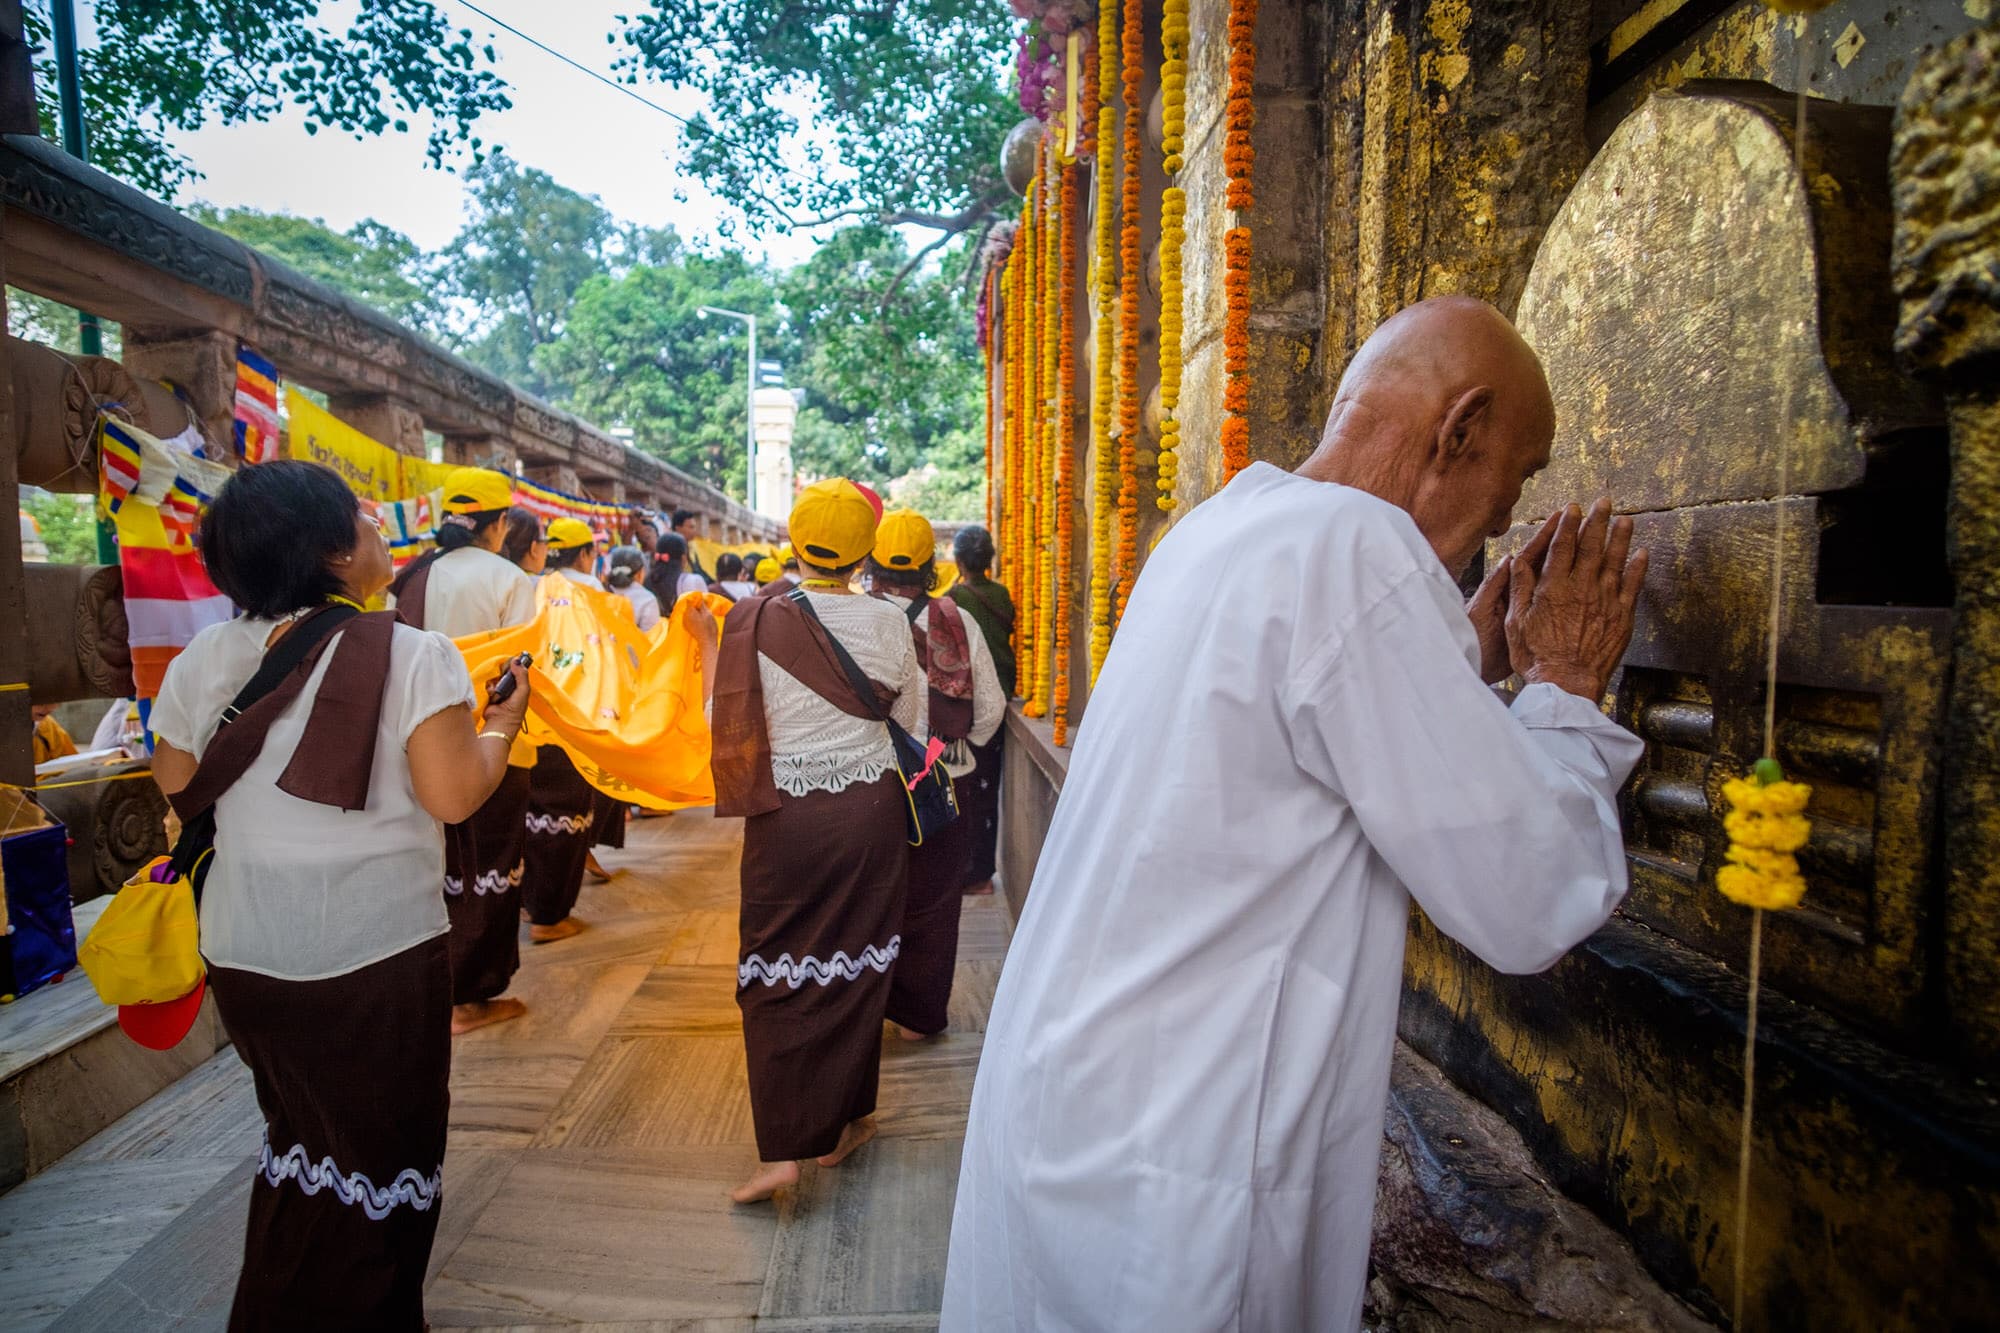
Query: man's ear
(1464, 417)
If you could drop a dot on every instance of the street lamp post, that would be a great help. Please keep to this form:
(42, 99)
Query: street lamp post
(749, 400)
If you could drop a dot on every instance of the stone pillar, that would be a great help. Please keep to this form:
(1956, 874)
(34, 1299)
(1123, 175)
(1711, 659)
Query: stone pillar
(1453, 133)
(559, 475)
(17, 725)
(202, 366)
(488, 451)
(382, 419)
(1946, 252)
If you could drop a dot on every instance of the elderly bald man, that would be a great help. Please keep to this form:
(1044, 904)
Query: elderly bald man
(1179, 1109)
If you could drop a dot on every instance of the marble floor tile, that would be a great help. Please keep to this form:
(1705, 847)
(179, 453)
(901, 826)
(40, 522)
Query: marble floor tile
(657, 1092)
(629, 1326)
(579, 1236)
(72, 1227)
(704, 939)
(571, 1004)
(472, 1177)
(983, 929)
(184, 1277)
(868, 1237)
(48, 1020)
(683, 1002)
(503, 1098)
(972, 986)
(211, 1112)
(927, 1086)
(867, 1323)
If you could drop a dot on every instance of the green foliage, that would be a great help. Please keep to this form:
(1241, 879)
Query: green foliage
(161, 66)
(519, 263)
(68, 525)
(888, 112)
(39, 319)
(370, 262)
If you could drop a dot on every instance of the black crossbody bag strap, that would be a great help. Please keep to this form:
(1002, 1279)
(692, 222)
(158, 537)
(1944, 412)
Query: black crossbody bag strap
(198, 831)
(855, 675)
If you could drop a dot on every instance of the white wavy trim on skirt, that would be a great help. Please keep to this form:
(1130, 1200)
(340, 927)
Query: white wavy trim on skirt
(796, 974)
(378, 1201)
(487, 881)
(553, 824)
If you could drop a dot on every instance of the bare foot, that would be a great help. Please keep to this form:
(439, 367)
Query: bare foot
(485, 1013)
(768, 1179)
(561, 930)
(857, 1133)
(595, 871)
(908, 1034)
(984, 886)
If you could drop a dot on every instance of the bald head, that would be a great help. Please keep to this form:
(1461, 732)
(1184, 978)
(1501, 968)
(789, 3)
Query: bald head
(1445, 413)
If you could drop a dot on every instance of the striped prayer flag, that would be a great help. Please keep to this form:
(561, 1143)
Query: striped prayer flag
(120, 457)
(180, 509)
(256, 406)
(168, 596)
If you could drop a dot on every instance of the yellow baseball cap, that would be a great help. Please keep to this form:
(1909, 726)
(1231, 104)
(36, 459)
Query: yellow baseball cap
(786, 556)
(474, 490)
(769, 571)
(566, 534)
(904, 540)
(833, 523)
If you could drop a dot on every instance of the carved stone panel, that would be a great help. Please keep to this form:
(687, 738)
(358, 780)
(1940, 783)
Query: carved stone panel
(1696, 296)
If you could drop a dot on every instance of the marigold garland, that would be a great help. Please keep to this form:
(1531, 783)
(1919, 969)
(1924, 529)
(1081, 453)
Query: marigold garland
(1031, 437)
(1054, 228)
(1173, 237)
(1065, 435)
(1239, 159)
(1104, 455)
(1767, 825)
(991, 354)
(1131, 71)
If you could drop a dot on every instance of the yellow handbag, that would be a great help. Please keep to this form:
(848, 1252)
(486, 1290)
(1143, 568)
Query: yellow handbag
(145, 949)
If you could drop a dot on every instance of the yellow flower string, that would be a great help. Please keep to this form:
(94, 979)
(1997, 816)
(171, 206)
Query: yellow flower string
(1065, 467)
(1016, 317)
(1104, 452)
(1131, 71)
(1767, 825)
(1173, 236)
(1031, 435)
(1045, 491)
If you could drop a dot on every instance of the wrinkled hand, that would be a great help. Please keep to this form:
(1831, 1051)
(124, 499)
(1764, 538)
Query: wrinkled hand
(1569, 620)
(512, 711)
(1488, 608)
(702, 624)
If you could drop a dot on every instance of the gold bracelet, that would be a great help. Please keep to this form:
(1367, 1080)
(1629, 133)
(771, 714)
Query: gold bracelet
(497, 735)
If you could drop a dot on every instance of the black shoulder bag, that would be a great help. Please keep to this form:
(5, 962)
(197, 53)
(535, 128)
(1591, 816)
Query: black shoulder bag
(194, 848)
(931, 804)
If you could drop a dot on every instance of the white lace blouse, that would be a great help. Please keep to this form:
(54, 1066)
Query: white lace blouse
(815, 746)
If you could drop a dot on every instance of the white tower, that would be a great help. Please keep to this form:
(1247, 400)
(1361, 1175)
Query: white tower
(776, 411)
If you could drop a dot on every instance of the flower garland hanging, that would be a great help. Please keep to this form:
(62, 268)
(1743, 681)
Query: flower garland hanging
(1239, 159)
(1065, 434)
(1131, 70)
(1767, 825)
(1017, 330)
(1052, 349)
(1173, 236)
(990, 356)
(1104, 454)
(1030, 247)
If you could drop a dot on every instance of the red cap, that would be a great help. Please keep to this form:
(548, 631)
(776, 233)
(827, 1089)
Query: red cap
(868, 494)
(160, 1027)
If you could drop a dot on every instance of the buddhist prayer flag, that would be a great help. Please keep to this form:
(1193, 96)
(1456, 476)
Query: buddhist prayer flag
(256, 406)
(626, 707)
(168, 596)
(121, 459)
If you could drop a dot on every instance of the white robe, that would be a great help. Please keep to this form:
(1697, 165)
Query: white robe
(1179, 1108)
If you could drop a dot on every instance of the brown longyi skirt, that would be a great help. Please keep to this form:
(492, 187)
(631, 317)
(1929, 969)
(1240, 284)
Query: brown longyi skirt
(562, 812)
(823, 883)
(484, 860)
(920, 987)
(353, 1077)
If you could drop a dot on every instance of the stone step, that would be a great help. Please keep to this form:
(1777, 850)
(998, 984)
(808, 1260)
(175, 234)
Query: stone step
(66, 1071)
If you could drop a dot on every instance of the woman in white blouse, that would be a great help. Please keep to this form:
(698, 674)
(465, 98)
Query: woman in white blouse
(625, 570)
(809, 762)
(323, 927)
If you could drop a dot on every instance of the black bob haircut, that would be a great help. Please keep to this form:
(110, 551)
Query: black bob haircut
(271, 536)
(921, 579)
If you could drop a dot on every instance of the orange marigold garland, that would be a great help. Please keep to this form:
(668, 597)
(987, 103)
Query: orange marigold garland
(1131, 70)
(1239, 159)
(1031, 435)
(1104, 454)
(1173, 236)
(1045, 490)
(1065, 448)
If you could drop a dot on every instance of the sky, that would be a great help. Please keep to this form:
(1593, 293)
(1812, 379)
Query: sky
(590, 138)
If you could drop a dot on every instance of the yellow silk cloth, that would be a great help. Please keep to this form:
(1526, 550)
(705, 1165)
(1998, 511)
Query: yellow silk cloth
(627, 707)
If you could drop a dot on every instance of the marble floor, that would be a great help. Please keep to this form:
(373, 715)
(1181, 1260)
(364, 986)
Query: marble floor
(592, 1142)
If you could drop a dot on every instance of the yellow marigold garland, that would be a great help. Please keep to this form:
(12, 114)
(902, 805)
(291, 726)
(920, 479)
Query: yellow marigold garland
(1031, 436)
(1173, 236)
(1239, 159)
(1016, 332)
(1104, 454)
(1131, 71)
(1767, 825)
(990, 286)
(1065, 435)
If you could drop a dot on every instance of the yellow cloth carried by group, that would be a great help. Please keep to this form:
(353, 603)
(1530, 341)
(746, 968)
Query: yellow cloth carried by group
(627, 707)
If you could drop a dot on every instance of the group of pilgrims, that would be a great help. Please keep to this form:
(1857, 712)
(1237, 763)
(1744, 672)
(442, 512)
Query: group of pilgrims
(355, 921)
